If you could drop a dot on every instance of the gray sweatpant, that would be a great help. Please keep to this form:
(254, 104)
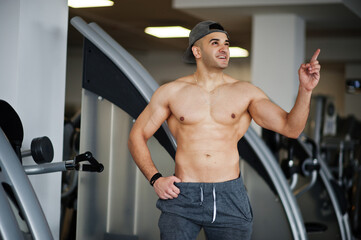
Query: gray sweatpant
(221, 209)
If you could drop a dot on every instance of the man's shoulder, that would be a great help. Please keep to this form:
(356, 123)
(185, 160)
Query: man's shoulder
(183, 81)
(175, 84)
(239, 84)
(171, 88)
(244, 89)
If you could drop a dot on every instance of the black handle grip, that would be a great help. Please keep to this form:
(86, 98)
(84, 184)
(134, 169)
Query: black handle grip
(94, 165)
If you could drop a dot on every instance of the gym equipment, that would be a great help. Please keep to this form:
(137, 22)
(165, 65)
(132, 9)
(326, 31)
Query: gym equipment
(74, 164)
(320, 199)
(21, 215)
(12, 127)
(353, 86)
(41, 149)
(336, 196)
(340, 153)
(114, 80)
(309, 166)
(15, 185)
(69, 180)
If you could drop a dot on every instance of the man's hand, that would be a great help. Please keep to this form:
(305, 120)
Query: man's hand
(309, 73)
(165, 188)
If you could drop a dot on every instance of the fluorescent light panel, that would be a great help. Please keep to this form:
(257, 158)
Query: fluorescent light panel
(181, 32)
(89, 3)
(237, 52)
(168, 32)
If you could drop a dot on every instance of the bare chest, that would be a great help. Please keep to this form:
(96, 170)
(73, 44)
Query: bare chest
(194, 105)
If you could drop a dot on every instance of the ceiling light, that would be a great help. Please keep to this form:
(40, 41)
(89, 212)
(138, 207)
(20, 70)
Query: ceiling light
(168, 32)
(237, 52)
(89, 3)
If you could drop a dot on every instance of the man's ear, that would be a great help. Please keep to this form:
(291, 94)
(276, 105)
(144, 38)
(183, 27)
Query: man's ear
(196, 51)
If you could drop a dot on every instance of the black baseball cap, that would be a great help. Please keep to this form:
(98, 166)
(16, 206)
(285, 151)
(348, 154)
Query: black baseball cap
(200, 30)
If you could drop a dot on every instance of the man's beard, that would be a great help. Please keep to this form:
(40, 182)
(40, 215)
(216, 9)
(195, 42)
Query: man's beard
(212, 62)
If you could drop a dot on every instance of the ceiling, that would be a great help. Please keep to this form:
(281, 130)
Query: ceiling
(126, 20)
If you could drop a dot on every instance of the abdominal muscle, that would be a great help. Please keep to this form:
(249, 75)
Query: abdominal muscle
(207, 161)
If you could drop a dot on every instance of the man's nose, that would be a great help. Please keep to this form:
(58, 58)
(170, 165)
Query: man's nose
(223, 48)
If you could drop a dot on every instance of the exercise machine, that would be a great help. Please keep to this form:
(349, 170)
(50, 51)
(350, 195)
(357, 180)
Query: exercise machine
(21, 214)
(322, 202)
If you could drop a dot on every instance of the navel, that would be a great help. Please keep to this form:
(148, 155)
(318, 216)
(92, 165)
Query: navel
(233, 115)
(181, 118)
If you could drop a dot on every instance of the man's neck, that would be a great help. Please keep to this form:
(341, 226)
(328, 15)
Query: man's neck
(209, 80)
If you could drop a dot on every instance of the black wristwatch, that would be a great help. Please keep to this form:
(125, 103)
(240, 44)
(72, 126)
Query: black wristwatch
(155, 178)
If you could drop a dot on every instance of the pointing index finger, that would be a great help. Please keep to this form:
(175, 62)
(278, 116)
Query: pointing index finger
(315, 55)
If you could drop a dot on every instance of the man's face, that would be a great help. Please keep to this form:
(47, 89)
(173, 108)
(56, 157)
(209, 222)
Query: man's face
(214, 49)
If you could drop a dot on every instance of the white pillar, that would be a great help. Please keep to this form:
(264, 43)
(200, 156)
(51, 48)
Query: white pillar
(278, 49)
(32, 79)
(353, 101)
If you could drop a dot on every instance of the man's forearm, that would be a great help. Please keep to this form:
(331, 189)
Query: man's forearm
(141, 156)
(297, 118)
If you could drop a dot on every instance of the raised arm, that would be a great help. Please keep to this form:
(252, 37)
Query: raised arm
(148, 122)
(270, 116)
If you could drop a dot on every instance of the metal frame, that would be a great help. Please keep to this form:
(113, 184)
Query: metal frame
(140, 77)
(326, 177)
(280, 182)
(12, 174)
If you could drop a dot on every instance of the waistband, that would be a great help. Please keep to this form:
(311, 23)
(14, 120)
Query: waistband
(220, 186)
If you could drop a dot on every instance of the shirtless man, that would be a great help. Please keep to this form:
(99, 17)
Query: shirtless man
(208, 112)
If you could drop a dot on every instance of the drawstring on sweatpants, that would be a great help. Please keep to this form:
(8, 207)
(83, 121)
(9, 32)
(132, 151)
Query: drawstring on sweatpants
(214, 203)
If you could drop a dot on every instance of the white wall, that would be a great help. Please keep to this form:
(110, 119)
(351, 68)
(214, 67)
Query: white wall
(278, 43)
(32, 79)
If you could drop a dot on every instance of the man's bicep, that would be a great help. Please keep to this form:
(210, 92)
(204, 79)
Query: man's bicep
(155, 113)
(151, 119)
(156, 119)
(268, 114)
